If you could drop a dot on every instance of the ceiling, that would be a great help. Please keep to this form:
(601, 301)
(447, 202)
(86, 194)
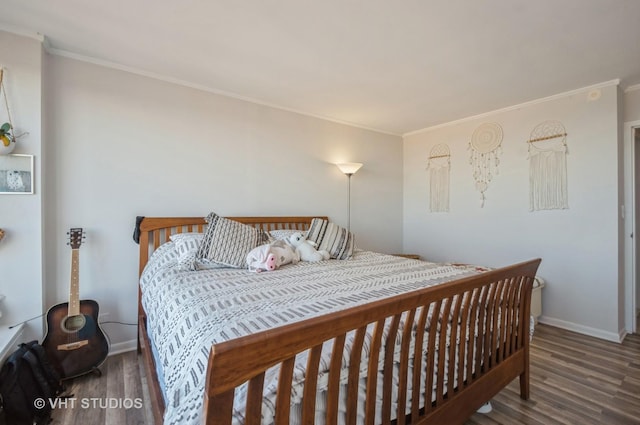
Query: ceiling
(395, 67)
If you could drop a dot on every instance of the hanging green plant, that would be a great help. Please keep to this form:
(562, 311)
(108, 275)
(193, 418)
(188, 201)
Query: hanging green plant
(5, 134)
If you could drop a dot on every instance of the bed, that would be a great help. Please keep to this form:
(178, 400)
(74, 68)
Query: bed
(430, 345)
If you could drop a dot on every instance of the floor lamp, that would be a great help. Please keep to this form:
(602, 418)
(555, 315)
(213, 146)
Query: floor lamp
(349, 168)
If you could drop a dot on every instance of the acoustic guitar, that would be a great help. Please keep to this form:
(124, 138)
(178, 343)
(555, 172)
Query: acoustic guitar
(74, 341)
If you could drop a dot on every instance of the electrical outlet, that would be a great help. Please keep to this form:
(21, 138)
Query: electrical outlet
(102, 316)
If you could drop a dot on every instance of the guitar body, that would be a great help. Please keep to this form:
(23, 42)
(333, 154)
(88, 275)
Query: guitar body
(76, 345)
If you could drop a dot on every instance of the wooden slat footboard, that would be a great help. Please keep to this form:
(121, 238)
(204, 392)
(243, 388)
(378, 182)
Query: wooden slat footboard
(488, 313)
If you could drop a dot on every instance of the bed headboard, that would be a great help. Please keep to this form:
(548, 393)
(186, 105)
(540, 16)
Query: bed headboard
(154, 231)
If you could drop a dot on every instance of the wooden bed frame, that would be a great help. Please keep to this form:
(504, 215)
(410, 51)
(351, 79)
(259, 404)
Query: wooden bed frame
(495, 305)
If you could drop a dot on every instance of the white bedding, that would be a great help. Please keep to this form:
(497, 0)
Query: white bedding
(187, 311)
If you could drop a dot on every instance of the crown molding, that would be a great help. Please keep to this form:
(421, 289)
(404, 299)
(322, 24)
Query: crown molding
(632, 88)
(22, 32)
(516, 107)
(113, 65)
(177, 81)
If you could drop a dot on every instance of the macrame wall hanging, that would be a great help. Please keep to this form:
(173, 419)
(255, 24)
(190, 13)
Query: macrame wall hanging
(548, 167)
(439, 165)
(485, 151)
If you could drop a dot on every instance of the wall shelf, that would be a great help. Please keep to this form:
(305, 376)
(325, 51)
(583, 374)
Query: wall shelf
(9, 340)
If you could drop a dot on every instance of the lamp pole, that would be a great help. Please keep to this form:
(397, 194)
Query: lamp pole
(349, 169)
(349, 202)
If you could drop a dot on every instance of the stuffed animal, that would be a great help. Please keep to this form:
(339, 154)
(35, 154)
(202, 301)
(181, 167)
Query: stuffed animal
(306, 249)
(269, 257)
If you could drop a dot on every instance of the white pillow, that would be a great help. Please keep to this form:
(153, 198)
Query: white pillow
(186, 246)
(282, 234)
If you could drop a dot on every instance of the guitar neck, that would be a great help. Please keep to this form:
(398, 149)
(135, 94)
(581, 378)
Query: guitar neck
(74, 286)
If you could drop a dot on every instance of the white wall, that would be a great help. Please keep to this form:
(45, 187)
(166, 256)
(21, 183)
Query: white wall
(631, 104)
(579, 246)
(21, 263)
(121, 145)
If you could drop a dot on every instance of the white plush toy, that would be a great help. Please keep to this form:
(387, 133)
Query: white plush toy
(269, 257)
(306, 248)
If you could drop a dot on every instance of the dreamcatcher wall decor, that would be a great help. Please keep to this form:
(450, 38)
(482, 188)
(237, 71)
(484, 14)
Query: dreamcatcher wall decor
(439, 165)
(548, 167)
(485, 148)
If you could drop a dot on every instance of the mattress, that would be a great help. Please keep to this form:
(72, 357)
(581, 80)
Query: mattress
(188, 311)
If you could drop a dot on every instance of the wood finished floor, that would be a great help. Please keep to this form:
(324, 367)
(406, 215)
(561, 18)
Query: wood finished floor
(575, 380)
(122, 380)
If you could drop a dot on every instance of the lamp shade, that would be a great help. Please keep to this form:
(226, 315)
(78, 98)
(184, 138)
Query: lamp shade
(349, 167)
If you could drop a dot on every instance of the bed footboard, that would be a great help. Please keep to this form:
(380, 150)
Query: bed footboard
(431, 356)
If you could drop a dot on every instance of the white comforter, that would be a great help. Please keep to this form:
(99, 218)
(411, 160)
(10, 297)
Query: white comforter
(188, 311)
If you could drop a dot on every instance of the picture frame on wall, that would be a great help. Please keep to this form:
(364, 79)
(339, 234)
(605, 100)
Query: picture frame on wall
(16, 174)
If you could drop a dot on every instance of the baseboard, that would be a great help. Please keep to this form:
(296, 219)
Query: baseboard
(585, 330)
(123, 347)
(622, 334)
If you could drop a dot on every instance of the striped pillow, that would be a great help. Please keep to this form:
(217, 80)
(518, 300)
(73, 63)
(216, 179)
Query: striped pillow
(228, 242)
(335, 239)
(316, 230)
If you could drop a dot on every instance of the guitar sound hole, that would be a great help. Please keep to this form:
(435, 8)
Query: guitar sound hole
(73, 323)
